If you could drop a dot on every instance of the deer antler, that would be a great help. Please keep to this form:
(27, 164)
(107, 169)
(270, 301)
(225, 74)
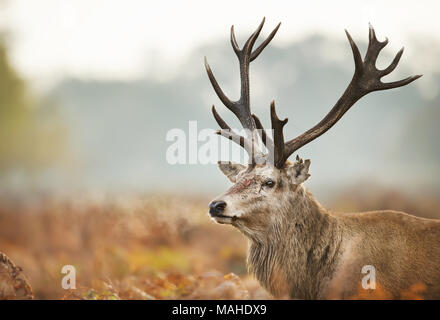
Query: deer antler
(366, 79)
(241, 107)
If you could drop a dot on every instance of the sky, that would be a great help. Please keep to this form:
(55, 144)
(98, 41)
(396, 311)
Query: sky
(115, 39)
(118, 43)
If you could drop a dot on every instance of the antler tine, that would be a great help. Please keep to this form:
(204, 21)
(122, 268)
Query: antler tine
(263, 45)
(366, 79)
(355, 50)
(227, 132)
(246, 144)
(219, 120)
(390, 68)
(234, 42)
(393, 64)
(374, 46)
(228, 103)
(278, 137)
(399, 83)
(267, 141)
(249, 44)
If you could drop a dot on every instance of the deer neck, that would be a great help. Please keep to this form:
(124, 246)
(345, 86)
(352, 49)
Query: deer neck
(299, 254)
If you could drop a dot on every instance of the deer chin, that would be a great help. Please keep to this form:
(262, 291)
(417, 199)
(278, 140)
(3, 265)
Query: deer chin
(222, 219)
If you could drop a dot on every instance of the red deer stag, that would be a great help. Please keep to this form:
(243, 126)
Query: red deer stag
(297, 248)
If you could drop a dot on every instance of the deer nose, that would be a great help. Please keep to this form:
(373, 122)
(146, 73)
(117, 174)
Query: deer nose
(216, 207)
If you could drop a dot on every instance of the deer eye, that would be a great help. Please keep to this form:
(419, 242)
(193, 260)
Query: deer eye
(269, 183)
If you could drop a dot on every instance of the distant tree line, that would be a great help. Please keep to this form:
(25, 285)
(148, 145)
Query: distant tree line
(32, 135)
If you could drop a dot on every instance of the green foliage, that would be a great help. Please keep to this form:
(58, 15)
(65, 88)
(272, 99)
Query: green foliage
(31, 134)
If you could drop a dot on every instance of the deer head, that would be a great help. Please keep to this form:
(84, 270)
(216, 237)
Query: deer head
(265, 189)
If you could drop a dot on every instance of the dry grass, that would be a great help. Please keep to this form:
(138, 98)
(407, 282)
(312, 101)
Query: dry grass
(151, 248)
(157, 247)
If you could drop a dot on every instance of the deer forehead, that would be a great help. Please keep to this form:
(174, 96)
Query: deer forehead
(259, 173)
(241, 185)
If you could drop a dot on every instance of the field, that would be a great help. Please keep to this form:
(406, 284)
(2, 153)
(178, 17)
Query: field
(151, 247)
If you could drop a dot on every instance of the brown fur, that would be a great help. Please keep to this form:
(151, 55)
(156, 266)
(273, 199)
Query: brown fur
(299, 249)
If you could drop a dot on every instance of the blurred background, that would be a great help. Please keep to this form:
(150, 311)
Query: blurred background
(89, 89)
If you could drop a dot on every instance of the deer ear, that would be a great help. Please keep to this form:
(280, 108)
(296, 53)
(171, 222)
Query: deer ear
(230, 169)
(299, 171)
